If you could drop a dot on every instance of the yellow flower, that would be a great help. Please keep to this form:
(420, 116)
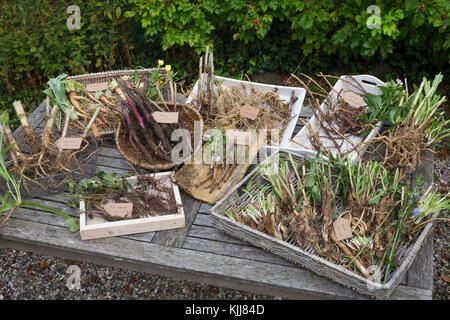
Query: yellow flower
(160, 62)
(168, 68)
(160, 81)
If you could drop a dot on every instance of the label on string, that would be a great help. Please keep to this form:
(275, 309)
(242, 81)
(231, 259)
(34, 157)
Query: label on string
(249, 112)
(342, 229)
(69, 143)
(353, 99)
(165, 117)
(121, 210)
(101, 86)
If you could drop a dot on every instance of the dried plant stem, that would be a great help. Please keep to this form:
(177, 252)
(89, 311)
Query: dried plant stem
(347, 252)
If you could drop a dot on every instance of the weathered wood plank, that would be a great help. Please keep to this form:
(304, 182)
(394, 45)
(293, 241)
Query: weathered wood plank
(420, 274)
(259, 277)
(306, 112)
(176, 237)
(113, 162)
(244, 251)
(110, 152)
(209, 233)
(35, 215)
(109, 170)
(203, 219)
(204, 208)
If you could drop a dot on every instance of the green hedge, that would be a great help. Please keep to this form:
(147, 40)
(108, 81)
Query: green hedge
(252, 36)
(36, 44)
(248, 37)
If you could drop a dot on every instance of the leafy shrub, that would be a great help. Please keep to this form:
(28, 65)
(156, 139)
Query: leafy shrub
(272, 34)
(36, 44)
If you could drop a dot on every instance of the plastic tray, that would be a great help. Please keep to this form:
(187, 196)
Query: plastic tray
(346, 83)
(283, 91)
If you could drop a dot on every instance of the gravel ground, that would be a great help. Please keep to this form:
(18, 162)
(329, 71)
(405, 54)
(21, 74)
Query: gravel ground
(30, 276)
(441, 257)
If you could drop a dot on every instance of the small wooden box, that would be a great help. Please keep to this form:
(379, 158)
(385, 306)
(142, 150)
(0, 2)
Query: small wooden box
(96, 227)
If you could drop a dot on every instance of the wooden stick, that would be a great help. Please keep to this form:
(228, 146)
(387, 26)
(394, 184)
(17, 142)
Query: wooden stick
(47, 105)
(66, 124)
(46, 134)
(88, 127)
(206, 80)
(199, 92)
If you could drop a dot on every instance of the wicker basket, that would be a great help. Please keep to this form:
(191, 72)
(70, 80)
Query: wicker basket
(108, 76)
(307, 257)
(187, 113)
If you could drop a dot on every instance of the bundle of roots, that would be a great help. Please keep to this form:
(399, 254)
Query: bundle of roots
(149, 138)
(225, 112)
(150, 197)
(106, 121)
(400, 149)
(36, 156)
(338, 121)
(221, 108)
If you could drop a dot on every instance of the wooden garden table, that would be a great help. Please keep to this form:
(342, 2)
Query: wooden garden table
(198, 252)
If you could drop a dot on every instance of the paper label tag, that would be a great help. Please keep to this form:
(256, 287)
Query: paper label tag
(353, 99)
(101, 86)
(249, 112)
(342, 229)
(165, 117)
(69, 143)
(122, 210)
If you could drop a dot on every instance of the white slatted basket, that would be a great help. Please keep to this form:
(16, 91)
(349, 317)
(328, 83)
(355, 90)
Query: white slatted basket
(346, 83)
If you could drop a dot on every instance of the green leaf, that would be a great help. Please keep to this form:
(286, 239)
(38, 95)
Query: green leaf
(315, 192)
(4, 118)
(5, 150)
(72, 223)
(310, 180)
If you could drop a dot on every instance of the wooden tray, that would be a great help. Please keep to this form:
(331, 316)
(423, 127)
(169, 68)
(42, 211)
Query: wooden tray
(97, 227)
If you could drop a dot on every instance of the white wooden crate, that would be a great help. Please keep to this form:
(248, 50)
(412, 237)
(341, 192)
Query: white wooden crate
(346, 83)
(283, 91)
(97, 227)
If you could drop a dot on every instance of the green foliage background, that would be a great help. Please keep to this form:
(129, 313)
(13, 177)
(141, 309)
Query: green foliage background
(248, 37)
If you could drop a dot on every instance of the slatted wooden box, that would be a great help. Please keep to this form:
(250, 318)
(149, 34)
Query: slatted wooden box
(307, 257)
(96, 227)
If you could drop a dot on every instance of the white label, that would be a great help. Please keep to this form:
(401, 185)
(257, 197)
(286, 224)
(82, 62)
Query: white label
(101, 86)
(69, 143)
(342, 229)
(249, 112)
(122, 210)
(165, 117)
(353, 99)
